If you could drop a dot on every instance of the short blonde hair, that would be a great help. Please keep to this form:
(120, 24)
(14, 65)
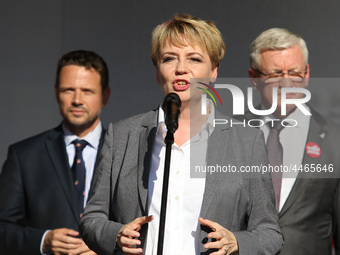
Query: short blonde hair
(185, 28)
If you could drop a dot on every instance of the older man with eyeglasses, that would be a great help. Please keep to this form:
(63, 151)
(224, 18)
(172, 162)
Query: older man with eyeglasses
(308, 204)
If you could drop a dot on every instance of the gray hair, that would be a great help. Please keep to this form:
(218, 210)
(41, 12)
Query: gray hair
(275, 39)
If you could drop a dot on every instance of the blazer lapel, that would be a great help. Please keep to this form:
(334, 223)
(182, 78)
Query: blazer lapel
(101, 141)
(100, 146)
(298, 187)
(218, 139)
(147, 133)
(317, 132)
(57, 151)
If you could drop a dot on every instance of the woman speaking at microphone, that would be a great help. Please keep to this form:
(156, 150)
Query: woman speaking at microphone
(214, 213)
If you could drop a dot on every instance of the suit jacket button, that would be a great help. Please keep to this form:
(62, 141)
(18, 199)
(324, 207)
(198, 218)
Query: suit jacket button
(205, 240)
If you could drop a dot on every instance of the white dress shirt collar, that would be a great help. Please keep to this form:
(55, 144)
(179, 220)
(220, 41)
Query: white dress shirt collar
(92, 138)
(296, 119)
(208, 126)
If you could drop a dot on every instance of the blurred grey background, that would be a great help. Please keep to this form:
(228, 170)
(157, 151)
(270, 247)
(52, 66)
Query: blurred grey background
(34, 34)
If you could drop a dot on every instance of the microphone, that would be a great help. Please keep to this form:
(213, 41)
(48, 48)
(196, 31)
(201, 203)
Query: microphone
(171, 106)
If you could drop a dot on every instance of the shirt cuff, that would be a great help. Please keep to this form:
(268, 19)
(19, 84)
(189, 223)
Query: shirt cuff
(42, 242)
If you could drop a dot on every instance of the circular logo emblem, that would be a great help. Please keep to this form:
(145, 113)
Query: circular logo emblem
(313, 150)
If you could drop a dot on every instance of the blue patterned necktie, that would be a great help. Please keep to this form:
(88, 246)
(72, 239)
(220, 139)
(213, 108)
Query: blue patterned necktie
(275, 155)
(79, 174)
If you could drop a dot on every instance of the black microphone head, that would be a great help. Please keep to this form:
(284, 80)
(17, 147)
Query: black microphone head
(171, 97)
(171, 107)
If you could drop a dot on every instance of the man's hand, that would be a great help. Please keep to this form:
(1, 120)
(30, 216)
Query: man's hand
(83, 249)
(226, 242)
(127, 236)
(61, 241)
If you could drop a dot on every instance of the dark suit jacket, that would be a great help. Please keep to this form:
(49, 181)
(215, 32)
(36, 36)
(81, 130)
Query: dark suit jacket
(244, 204)
(36, 193)
(312, 210)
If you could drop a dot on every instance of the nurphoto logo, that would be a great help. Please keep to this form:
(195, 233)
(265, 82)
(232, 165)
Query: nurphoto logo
(239, 103)
(238, 99)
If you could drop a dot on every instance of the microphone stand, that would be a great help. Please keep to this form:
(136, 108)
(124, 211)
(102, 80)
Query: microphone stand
(169, 140)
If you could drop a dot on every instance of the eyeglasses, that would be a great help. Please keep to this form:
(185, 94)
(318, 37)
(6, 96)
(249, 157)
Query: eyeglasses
(294, 75)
